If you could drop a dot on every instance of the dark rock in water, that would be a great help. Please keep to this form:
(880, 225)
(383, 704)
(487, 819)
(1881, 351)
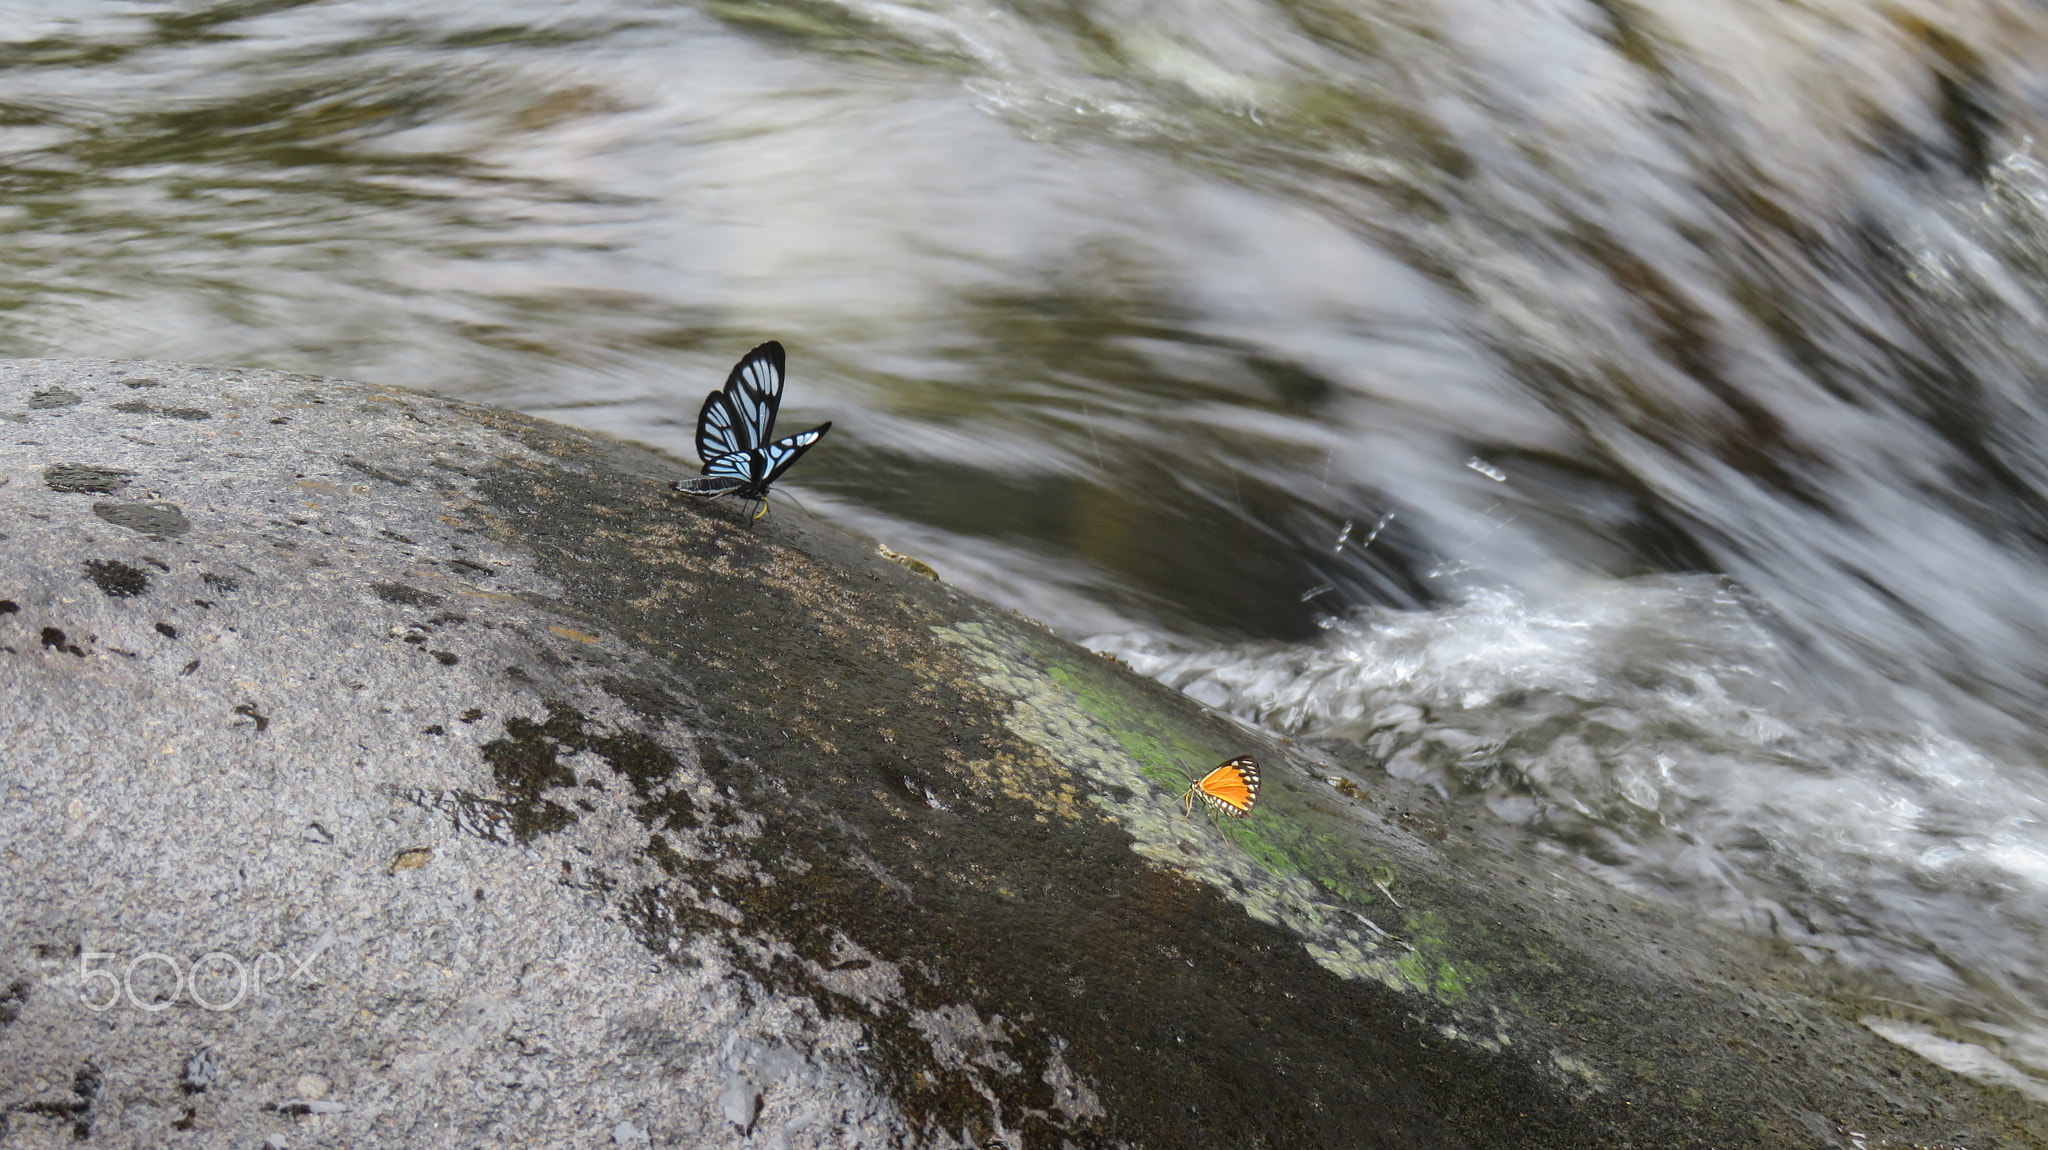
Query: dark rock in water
(423, 774)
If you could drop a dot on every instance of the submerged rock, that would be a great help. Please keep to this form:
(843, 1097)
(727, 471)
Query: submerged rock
(381, 769)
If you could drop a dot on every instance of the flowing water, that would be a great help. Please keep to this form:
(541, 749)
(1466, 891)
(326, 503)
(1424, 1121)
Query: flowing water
(1622, 414)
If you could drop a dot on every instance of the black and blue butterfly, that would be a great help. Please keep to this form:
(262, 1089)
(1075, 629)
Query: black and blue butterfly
(733, 430)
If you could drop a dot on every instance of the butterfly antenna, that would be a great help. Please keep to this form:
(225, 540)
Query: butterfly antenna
(800, 505)
(1188, 795)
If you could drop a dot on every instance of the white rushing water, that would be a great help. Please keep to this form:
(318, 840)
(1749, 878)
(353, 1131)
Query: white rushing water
(1646, 727)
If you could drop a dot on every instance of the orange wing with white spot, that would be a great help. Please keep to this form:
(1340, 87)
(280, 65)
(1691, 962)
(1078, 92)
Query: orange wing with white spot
(1230, 789)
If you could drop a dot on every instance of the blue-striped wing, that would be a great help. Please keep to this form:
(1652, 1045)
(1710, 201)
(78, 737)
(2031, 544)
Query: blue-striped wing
(777, 456)
(724, 474)
(719, 431)
(755, 391)
(742, 466)
(749, 473)
(733, 428)
(741, 415)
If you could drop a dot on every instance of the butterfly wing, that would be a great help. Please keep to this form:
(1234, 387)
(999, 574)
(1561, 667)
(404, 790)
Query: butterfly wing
(710, 487)
(742, 467)
(719, 430)
(777, 457)
(754, 389)
(733, 428)
(1232, 788)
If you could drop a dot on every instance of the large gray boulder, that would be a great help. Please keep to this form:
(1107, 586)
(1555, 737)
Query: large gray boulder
(386, 770)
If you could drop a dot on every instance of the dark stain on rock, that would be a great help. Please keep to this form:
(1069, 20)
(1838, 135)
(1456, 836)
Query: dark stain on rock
(115, 579)
(527, 763)
(472, 814)
(12, 1002)
(9, 606)
(189, 667)
(665, 856)
(219, 582)
(78, 479)
(403, 595)
(249, 710)
(168, 631)
(447, 658)
(138, 407)
(141, 383)
(351, 462)
(85, 1088)
(50, 397)
(156, 520)
(55, 640)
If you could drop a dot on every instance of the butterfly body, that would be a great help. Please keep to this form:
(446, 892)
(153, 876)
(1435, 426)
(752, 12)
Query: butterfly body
(1230, 789)
(733, 428)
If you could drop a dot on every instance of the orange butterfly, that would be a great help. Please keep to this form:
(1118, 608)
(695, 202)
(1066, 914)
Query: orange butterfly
(1230, 789)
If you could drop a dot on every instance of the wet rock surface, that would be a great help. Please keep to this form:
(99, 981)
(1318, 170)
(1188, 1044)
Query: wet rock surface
(383, 770)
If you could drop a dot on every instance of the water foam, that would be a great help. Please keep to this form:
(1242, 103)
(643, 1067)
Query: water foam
(1656, 731)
